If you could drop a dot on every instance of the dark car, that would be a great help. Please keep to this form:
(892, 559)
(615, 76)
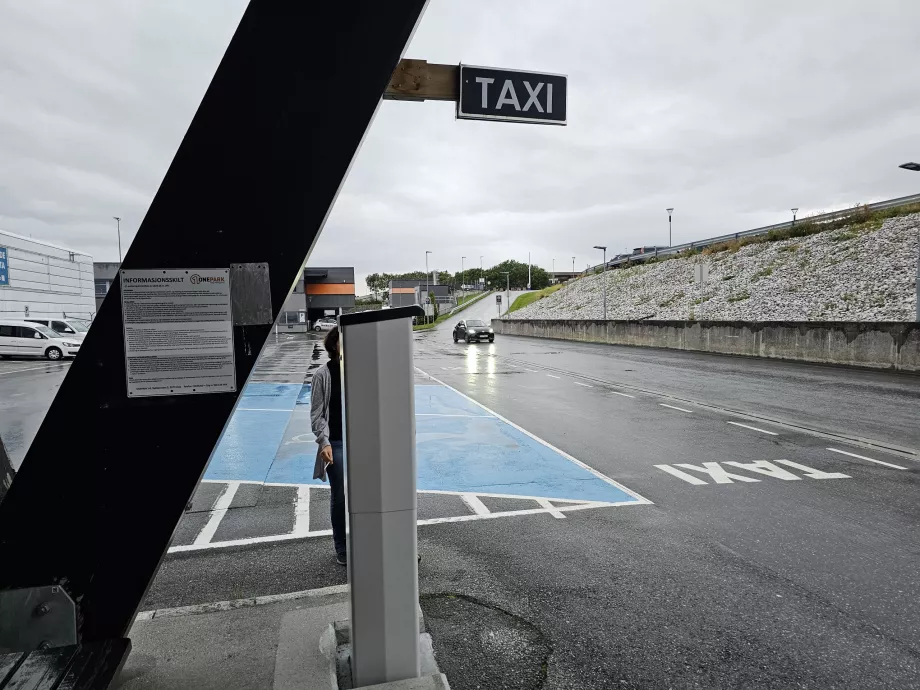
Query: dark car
(473, 330)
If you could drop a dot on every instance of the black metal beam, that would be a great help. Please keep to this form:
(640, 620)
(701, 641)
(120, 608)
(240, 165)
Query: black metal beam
(252, 181)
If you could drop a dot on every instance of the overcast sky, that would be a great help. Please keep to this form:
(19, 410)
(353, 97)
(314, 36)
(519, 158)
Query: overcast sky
(731, 112)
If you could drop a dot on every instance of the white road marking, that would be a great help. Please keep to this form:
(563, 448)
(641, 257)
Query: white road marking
(679, 409)
(474, 504)
(754, 428)
(261, 409)
(579, 383)
(551, 509)
(221, 505)
(640, 500)
(553, 376)
(689, 478)
(302, 511)
(432, 521)
(434, 414)
(532, 371)
(16, 371)
(767, 468)
(625, 395)
(239, 603)
(714, 470)
(812, 472)
(863, 457)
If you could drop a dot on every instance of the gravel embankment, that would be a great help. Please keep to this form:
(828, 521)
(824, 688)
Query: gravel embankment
(837, 275)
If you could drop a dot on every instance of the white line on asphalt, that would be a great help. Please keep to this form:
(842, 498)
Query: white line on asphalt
(221, 506)
(640, 500)
(552, 376)
(680, 474)
(474, 504)
(261, 409)
(432, 521)
(16, 371)
(434, 414)
(579, 383)
(302, 511)
(532, 371)
(550, 508)
(679, 409)
(240, 603)
(625, 395)
(863, 457)
(754, 428)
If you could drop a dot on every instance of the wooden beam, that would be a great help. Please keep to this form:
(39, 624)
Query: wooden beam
(416, 80)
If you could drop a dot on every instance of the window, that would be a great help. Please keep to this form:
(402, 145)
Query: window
(60, 327)
(7, 331)
(102, 287)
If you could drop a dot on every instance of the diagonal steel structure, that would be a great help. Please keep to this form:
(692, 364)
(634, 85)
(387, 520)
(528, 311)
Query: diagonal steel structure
(253, 181)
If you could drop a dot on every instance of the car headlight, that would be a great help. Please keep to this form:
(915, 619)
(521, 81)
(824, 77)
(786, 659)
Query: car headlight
(71, 344)
(491, 331)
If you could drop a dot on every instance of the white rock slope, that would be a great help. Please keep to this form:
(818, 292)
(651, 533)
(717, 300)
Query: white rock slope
(837, 275)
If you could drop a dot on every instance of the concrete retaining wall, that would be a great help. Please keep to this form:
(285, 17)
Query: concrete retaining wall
(882, 345)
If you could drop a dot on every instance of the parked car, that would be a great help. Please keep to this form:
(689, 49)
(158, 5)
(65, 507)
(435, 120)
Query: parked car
(327, 323)
(75, 329)
(473, 330)
(27, 339)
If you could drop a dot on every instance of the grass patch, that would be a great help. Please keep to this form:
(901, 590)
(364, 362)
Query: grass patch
(740, 297)
(844, 236)
(727, 277)
(529, 298)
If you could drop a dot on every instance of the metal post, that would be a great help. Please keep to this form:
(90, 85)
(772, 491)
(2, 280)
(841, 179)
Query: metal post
(604, 277)
(794, 211)
(528, 270)
(427, 283)
(670, 211)
(118, 226)
(379, 415)
(573, 265)
(462, 272)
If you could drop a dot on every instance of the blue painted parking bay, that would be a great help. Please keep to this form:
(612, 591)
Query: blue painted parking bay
(461, 447)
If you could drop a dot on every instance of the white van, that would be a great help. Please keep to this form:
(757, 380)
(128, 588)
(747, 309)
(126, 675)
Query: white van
(66, 328)
(25, 339)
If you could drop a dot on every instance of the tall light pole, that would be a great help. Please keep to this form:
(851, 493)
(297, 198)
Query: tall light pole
(528, 270)
(604, 278)
(916, 168)
(462, 273)
(554, 271)
(482, 273)
(794, 211)
(427, 283)
(573, 266)
(670, 211)
(118, 227)
(507, 288)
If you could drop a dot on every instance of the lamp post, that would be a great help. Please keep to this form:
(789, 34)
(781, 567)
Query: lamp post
(554, 271)
(507, 288)
(118, 227)
(462, 273)
(427, 283)
(482, 275)
(915, 167)
(670, 211)
(794, 211)
(573, 265)
(604, 278)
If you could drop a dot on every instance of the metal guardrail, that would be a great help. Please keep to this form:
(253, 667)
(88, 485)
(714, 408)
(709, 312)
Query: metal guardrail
(820, 218)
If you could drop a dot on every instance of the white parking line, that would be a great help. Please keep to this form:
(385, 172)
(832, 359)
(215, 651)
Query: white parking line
(438, 414)
(532, 371)
(552, 376)
(261, 409)
(221, 506)
(754, 428)
(477, 506)
(16, 371)
(863, 457)
(551, 509)
(679, 409)
(579, 383)
(625, 395)
(302, 512)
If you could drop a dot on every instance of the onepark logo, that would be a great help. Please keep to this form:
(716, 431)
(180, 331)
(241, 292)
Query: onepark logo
(195, 279)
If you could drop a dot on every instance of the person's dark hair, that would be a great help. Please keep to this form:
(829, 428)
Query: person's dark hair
(331, 342)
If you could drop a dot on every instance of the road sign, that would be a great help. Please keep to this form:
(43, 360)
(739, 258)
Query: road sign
(498, 299)
(701, 273)
(427, 300)
(489, 93)
(4, 268)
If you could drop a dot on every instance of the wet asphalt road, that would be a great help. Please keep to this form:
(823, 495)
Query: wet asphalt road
(27, 387)
(807, 577)
(796, 566)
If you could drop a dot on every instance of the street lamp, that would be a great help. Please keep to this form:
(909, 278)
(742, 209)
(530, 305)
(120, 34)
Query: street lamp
(573, 266)
(670, 211)
(427, 283)
(604, 280)
(482, 274)
(794, 211)
(462, 273)
(118, 226)
(554, 271)
(507, 288)
(916, 168)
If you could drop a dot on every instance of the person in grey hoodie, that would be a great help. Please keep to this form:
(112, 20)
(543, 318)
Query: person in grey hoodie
(326, 422)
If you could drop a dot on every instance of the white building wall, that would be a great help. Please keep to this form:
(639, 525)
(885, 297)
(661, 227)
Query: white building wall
(48, 280)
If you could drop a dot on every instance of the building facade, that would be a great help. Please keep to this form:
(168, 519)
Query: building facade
(320, 292)
(39, 280)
